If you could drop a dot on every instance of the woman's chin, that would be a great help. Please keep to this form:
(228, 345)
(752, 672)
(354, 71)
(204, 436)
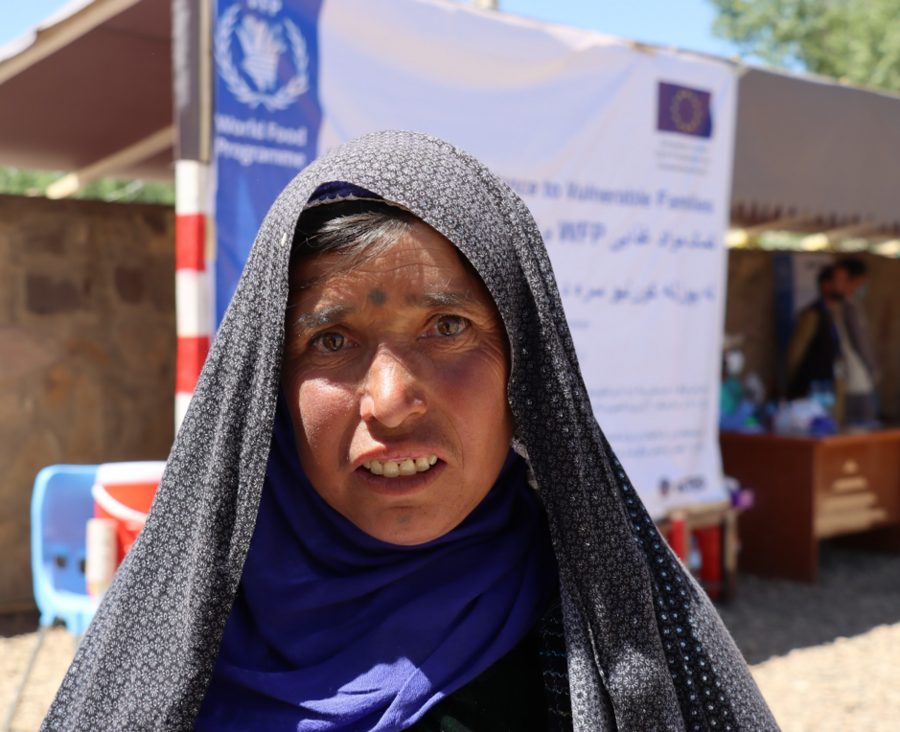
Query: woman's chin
(406, 526)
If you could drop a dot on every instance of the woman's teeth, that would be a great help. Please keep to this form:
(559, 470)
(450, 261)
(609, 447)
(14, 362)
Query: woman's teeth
(393, 468)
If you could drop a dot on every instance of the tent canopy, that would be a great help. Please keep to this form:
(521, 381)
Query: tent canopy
(814, 154)
(92, 84)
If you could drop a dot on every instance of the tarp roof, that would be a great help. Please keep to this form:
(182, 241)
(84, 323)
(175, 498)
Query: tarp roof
(96, 79)
(815, 154)
(91, 81)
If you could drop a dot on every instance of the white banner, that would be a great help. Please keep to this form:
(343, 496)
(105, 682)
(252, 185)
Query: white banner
(623, 154)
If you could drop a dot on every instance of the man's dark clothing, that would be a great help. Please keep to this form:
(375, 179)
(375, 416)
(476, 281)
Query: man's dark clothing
(821, 353)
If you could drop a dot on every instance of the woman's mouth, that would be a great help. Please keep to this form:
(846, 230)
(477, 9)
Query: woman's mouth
(405, 466)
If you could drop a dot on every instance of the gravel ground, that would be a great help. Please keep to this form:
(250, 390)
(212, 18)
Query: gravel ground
(826, 656)
(843, 686)
(51, 665)
(856, 592)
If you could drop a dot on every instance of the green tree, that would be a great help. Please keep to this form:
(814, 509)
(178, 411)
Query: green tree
(23, 182)
(856, 40)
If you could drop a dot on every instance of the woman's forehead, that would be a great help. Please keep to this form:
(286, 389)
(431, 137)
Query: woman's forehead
(423, 269)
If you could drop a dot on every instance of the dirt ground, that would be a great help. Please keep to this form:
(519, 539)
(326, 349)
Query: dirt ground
(49, 669)
(826, 656)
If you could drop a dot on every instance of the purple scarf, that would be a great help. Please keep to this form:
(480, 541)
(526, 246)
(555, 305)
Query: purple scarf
(333, 629)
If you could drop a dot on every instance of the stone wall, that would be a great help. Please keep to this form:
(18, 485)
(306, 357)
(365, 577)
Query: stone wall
(87, 350)
(750, 311)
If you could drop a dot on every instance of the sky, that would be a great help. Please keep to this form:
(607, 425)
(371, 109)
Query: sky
(18, 16)
(684, 24)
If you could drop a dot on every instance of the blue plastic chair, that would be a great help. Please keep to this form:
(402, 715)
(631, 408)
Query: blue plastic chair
(61, 506)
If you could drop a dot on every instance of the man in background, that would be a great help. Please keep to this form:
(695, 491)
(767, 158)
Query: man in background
(815, 346)
(860, 404)
(830, 343)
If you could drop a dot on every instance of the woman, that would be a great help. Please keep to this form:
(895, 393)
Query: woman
(352, 358)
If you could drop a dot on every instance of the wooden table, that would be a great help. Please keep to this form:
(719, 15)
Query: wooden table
(811, 488)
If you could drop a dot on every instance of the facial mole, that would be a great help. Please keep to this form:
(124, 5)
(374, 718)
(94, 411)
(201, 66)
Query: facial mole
(377, 297)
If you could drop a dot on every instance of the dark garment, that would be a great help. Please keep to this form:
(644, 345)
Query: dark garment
(507, 697)
(525, 691)
(641, 637)
(821, 353)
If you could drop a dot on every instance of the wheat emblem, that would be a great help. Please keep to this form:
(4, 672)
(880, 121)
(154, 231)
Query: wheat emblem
(262, 50)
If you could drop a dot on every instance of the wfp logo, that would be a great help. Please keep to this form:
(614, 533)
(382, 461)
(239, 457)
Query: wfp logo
(263, 44)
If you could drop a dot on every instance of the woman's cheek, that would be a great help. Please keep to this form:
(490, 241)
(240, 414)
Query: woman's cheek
(483, 372)
(325, 408)
(475, 390)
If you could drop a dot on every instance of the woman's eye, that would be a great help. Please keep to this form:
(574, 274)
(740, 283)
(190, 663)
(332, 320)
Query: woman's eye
(330, 342)
(450, 325)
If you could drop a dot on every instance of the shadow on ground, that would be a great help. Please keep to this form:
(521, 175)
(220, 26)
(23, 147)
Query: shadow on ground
(17, 623)
(856, 592)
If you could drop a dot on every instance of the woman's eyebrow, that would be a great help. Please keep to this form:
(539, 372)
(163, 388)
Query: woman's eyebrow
(322, 318)
(441, 299)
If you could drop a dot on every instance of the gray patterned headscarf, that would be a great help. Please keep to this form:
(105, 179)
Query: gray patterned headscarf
(646, 650)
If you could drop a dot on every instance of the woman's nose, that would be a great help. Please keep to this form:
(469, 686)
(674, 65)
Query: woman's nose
(391, 394)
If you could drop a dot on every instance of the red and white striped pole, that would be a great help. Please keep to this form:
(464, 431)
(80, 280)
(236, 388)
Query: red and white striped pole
(192, 292)
(192, 83)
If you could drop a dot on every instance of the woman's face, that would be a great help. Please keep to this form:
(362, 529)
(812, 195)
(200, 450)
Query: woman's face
(395, 374)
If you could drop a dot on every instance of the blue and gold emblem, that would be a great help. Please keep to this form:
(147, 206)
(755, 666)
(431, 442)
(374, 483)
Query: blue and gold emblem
(684, 110)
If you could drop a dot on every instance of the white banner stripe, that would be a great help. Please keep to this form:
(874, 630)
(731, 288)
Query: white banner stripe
(192, 305)
(191, 179)
(182, 400)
